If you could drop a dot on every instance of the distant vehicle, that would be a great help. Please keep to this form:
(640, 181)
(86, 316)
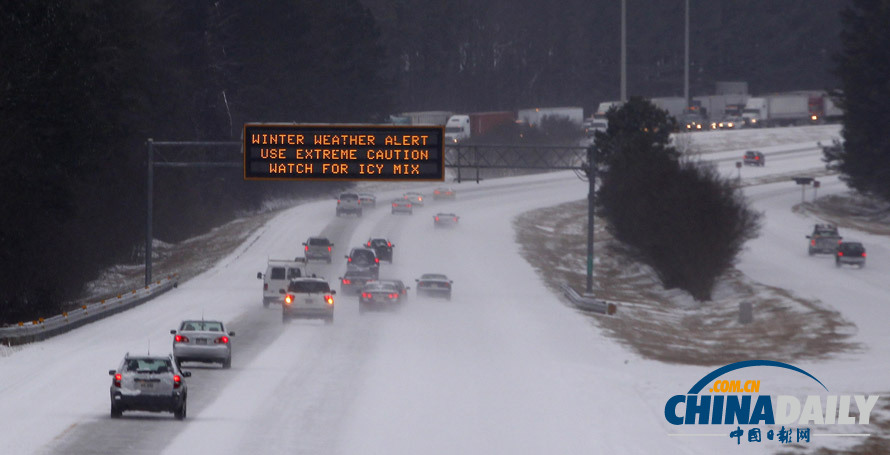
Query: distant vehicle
(414, 197)
(379, 296)
(443, 192)
(421, 118)
(604, 108)
(445, 220)
(349, 203)
(278, 274)
(535, 116)
(368, 200)
(852, 253)
(318, 248)
(731, 123)
(353, 280)
(824, 239)
(398, 284)
(148, 383)
(402, 206)
(382, 247)
(692, 122)
(308, 298)
(462, 127)
(363, 259)
(754, 158)
(592, 125)
(434, 285)
(202, 341)
(780, 109)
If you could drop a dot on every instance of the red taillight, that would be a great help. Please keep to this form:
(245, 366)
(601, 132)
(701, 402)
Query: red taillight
(369, 243)
(346, 281)
(376, 260)
(177, 381)
(394, 204)
(265, 286)
(329, 248)
(437, 218)
(863, 254)
(408, 205)
(117, 380)
(813, 242)
(349, 259)
(388, 245)
(306, 248)
(436, 192)
(180, 339)
(222, 340)
(338, 202)
(840, 253)
(393, 296)
(366, 295)
(756, 158)
(329, 299)
(288, 299)
(455, 219)
(419, 198)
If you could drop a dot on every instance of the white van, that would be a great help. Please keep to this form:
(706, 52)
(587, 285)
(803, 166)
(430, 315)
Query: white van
(278, 274)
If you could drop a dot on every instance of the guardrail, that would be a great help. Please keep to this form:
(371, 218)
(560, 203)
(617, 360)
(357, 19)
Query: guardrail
(43, 328)
(589, 303)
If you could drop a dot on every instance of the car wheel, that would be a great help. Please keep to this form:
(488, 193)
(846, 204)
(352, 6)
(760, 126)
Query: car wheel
(837, 263)
(329, 260)
(284, 319)
(115, 411)
(227, 363)
(329, 320)
(862, 266)
(179, 364)
(265, 304)
(181, 412)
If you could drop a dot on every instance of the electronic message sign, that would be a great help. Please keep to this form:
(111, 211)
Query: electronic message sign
(343, 152)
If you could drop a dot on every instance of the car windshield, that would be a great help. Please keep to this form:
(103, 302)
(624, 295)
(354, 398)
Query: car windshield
(348, 197)
(278, 273)
(305, 287)
(149, 365)
(319, 241)
(853, 248)
(207, 326)
(378, 286)
(433, 276)
(362, 256)
(379, 242)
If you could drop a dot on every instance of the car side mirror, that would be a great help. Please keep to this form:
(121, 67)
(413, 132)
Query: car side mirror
(259, 275)
(407, 287)
(808, 236)
(232, 333)
(450, 282)
(416, 280)
(112, 372)
(173, 332)
(186, 374)
(333, 292)
(304, 243)
(346, 257)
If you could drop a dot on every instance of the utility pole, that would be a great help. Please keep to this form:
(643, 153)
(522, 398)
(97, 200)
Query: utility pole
(686, 59)
(591, 193)
(623, 51)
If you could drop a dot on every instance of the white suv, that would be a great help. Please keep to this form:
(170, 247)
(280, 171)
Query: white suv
(278, 274)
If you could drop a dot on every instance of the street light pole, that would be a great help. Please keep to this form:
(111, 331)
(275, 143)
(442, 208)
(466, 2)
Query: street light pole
(623, 51)
(686, 59)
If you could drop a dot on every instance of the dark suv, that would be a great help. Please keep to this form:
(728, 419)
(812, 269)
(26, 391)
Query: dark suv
(850, 253)
(754, 158)
(363, 260)
(382, 247)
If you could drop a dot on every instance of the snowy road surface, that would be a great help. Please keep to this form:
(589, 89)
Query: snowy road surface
(505, 367)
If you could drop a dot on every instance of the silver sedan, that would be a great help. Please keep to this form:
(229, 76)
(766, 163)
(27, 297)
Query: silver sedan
(202, 341)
